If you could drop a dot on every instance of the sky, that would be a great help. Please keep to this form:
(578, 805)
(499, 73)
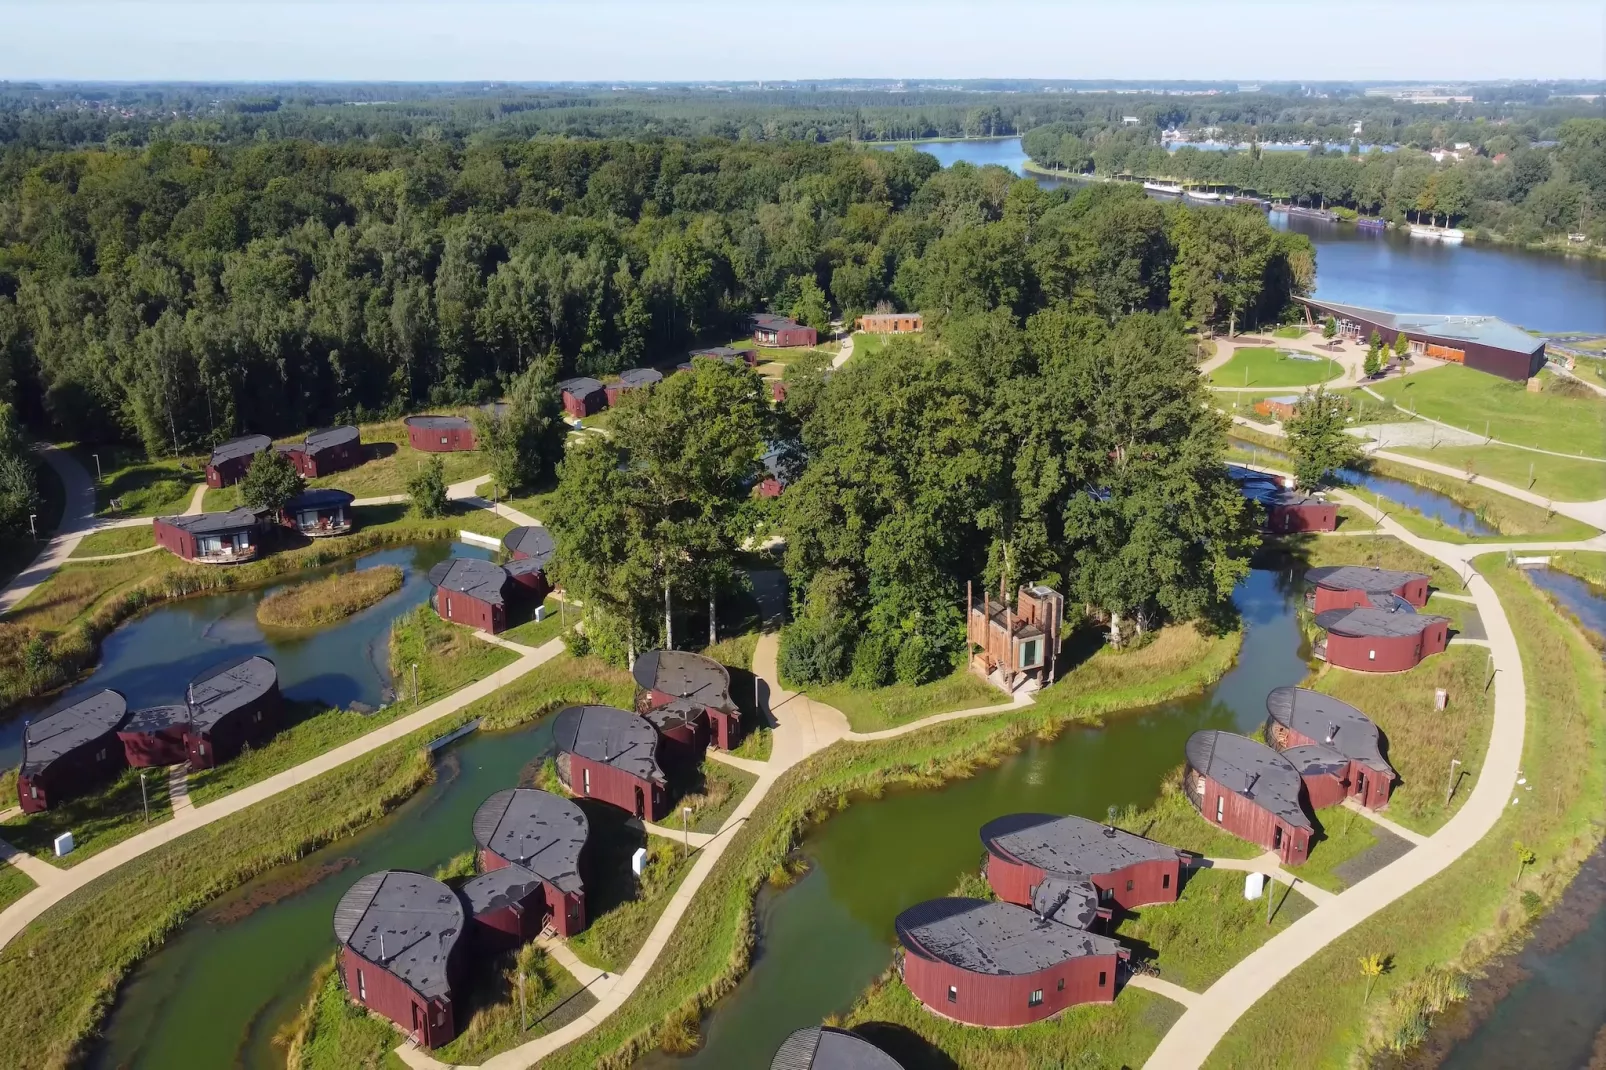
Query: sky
(696, 40)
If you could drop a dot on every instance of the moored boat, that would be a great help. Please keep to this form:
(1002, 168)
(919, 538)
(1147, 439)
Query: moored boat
(1163, 187)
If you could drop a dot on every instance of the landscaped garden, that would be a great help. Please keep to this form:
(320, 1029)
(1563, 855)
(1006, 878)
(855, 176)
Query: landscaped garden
(1262, 366)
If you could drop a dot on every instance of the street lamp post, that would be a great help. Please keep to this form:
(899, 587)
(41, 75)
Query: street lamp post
(685, 831)
(143, 798)
(415, 681)
(31, 529)
(98, 477)
(1449, 787)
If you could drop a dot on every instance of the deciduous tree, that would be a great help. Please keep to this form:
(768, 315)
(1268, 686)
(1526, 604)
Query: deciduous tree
(1317, 438)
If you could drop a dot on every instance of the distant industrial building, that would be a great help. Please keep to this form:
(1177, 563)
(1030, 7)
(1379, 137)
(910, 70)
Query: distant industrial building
(1483, 343)
(71, 751)
(440, 434)
(681, 688)
(611, 755)
(325, 452)
(401, 941)
(1335, 747)
(229, 538)
(1249, 790)
(531, 844)
(231, 460)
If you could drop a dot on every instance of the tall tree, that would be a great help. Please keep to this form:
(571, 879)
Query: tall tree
(1317, 438)
(523, 436)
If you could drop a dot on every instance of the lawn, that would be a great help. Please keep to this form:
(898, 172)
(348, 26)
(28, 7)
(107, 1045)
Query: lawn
(564, 681)
(1562, 479)
(334, 1033)
(1419, 740)
(97, 820)
(1509, 516)
(540, 632)
(1477, 402)
(713, 793)
(1262, 366)
(1293, 330)
(1209, 929)
(1438, 935)
(1378, 551)
(116, 541)
(14, 884)
(1340, 836)
(552, 997)
(1171, 819)
(142, 486)
(624, 908)
(1177, 660)
(896, 704)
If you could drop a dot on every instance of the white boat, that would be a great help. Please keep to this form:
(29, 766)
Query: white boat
(1162, 187)
(1453, 235)
(1200, 195)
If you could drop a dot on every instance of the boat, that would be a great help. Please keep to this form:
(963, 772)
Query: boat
(1244, 199)
(1452, 235)
(1308, 213)
(1200, 195)
(1367, 223)
(1163, 187)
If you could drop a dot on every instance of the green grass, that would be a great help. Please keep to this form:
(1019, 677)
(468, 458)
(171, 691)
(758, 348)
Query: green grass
(144, 486)
(115, 541)
(1438, 935)
(14, 884)
(334, 1033)
(390, 460)
(449, 657)
(563, 681)
(756, 744)
(1420, 741)
(625, 909)
(714, 793)
(1561, 479)
(552, 997)
(896, 704)
(319, 603)
(1510, 517)
(1379, 551)
(1457, 610)
(539, 633)
(1340, 836)
(1290, 330)
(97, 820)
(1171, 819)
(1243, 402)
(1473, 401)
(1209, 929)
(1585, 564)
(1262, 366)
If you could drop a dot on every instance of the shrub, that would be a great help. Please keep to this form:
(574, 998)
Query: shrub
(427, 488)
(920, 661)
(814, 651)
(874, 662)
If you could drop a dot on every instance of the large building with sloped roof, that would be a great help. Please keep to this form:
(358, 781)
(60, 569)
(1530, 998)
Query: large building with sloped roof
(1249, 790)
(531, 844)
(71, 750)
(1336, 748)
(611, 754)
(222, 538)
(1038, 859)
(1484, 343)
(440, 434)
(231, 460)
(401, 941)
(325, 452)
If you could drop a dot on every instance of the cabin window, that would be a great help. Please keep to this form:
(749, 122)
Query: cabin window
(443, 440)
(1221, 806)
(1277, 838)
(257, 717)
(1165, 880)
(1106, 894)
(33, 791)
(1036, 997)
(1371, 655)
(362, 986)
(1104, 978)
(953, 994)
(415, 1017)
(1029, 658)
(1129, 886)
(1061, 985)
(448, 607)
(100, 755)
(200, 749)
(585, 779)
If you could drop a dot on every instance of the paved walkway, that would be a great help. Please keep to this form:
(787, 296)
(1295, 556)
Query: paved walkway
(1169, 989)
(77, 520)
(178, 789)
(1486, 440)
(1271, 865)
(41, 872)
(1350, 356)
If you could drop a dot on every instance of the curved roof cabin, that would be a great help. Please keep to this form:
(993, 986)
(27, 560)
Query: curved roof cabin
(211, 538)
(686, 681)
(582, 396)
(1339, 748)
(439, 434)
(530, 847)
(611, 754)
(1249, 790)
(71, 750)
(820, 1047)
(318, 512)
(531, 542)
(1351, 586)
(1025, 850)
(472, 592)
(325, 452)
(399, 936)
(230, 707)
(633, 379)
(232, 459)
(1385, 635)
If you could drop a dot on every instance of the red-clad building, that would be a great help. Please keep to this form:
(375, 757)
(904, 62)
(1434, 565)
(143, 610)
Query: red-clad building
(1386, 635)
(323, 453)
(999, 964)
(781, 332)
(531, 845)
(891, 323)
(1020, 643)
(610, 754)
(1483, 343)
(472, 592)
(400, 957)
(156, 736)
(1351, 586)
(440, 434)
(1288, 511)
(230, 461)
(1033, 857)
(71, 750)
(632, 379)
(211, 538)
(1249, 790)
(693, 689)
(223, 710)
(582, 396)
(319, 512)
(1336, 748)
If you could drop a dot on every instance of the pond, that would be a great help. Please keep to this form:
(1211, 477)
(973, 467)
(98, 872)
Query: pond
(1582, 598)
(152, 658)
(823, 940)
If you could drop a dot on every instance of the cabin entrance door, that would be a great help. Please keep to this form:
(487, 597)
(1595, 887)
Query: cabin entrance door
(641, 804)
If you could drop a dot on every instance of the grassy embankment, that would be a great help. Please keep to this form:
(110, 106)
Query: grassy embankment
(1438, 935)
(1562, 479)
(96, 935)
(887, 707)
(14, 884)
(1477, 402)
(141, 485)
(319, 603)
(1265, 367)
(55, 633)
(1585, 564)
(115, 541)
(1377, 551)
(97, 820)
(1509, 516)
(540, 632)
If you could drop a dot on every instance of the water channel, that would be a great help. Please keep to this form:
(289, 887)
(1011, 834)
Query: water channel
(152, 658)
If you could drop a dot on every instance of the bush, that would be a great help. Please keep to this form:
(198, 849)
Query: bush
(427, 488)
(874, 662)
(919, 661)
(814, 651)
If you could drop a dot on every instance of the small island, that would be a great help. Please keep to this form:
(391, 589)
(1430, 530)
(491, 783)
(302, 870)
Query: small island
(323, 602)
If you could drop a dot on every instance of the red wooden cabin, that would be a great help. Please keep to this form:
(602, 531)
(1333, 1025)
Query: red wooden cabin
(781, 332)
(156, 736)
(611, 755)
(230, 707)
(472, 592)
(632, 379)
(325, 452)
(1351, 586)
(1388, 635)
(1336, 748)
(231, 460)
(319, 512)
(582, 396)
(211, 538)
(1021, 643)
(400, 937)
(71, 750)
(1026, 850)
(1249, 790)
(531, 847)
(891, 323)
(439, 434)
(1288, 511)
(675, 680)
(998, 964)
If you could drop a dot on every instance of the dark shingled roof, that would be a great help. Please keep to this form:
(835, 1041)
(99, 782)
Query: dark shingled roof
(1308, 761)
(724, 353)
(631, 378)
(684, 675)
(994, 937)
(770, 321)
(1397, 621)
(331, 436)
(819, 1047)
(1067, 901)
(580, 386)
(1328, 721)
(470, 576)
(676, 714)
(156, 718)
(505, 887)
(244, 446)
(1071, 846)
(437, 423)
(318, 498)
(542, 832)
(1361, 578)
(1268, 490)
(611, 736)
(62, 730)
(405, 922)
(215, 523)
(1251, 770)
(533, 541)
(222, 691)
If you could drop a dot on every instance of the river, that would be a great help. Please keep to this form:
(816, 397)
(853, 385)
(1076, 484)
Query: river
(1391, 270)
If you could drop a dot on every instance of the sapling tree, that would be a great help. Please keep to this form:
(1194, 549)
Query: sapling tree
(270, 482)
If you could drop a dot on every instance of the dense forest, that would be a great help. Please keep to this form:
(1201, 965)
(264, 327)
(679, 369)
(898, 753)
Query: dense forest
(1501, 183)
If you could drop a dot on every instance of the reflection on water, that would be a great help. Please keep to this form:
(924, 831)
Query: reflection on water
(1583, 599)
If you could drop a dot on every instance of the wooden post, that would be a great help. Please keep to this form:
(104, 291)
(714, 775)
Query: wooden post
(524, 1017)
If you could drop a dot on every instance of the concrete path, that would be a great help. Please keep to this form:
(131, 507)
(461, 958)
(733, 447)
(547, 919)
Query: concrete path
(178, 789)
(77, 520)
(844, 353)
(15, 917)
(38, 870)
(1022, 699)
(197, 504)
(111, 557)
(697, 840)
(1271, 865)
(1174, 992)
(748, 764)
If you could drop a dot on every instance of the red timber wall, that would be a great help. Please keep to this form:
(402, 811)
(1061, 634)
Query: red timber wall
(1386, 653)
(229, 472)
(85, 766)
(329, 460)
(175, 539)
(1155, 881)
(725, 726)
(429, 1022)
(461, 608)
(1370, 788)
(583, 405)
(251, 723)
(1324, 789)
(440, 440)
(1414, 592)
(610, 785)
(567, 910)
(533, 584)
(1315, 516)
(992, 1000)
(787, 337)
(144, 750)
(1246, 819)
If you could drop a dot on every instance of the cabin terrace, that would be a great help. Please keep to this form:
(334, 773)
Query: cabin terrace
(999, 964)
(582, 396)
(229, 708)
(820, 1047)
(472, 592)
(1484, 343)
(781, 332)
(230, 461)
(318, 512)
(891, 323)
(211, 538)
(1351, 586)
(1022, 643)
(1335, 747)
(400, 934)
(1026, 850)
(71, 750)
(682, 683)
(611, 755)
(1385, 635)
(325, 452)
(439, 434)
(632, 379)
(531, 846)
(1249, 790)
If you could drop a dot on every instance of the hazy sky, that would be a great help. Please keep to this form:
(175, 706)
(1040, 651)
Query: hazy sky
(406, 40)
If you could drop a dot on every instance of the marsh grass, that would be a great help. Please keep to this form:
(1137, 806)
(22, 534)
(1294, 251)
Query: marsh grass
(625, 908)
(319, 603)
(887, 707)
